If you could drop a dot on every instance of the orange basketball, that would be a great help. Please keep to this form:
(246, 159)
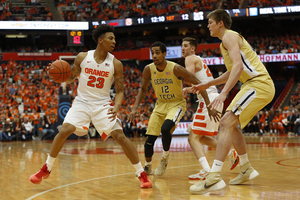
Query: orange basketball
(59, 71)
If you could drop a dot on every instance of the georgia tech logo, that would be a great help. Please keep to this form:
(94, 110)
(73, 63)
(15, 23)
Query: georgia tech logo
(239, 107)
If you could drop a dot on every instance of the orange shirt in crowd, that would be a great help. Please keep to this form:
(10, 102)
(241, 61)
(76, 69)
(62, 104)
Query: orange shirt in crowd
(36, 118)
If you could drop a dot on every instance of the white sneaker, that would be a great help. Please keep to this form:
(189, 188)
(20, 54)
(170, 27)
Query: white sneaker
(199, 176)
(247, 173)
(213, 182)
(160, 170)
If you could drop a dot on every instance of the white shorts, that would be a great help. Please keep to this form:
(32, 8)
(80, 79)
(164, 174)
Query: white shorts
(202, 125)
(81, 114)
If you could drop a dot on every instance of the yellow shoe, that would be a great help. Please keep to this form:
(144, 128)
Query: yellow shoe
(213, 182)
(161, 169)
(247, 173)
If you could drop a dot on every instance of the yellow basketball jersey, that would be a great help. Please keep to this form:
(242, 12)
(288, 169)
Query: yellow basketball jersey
(167, 87)
(252, 65)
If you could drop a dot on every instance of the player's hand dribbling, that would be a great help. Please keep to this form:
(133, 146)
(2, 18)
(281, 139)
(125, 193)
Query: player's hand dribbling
(131, 116)
(113, 114)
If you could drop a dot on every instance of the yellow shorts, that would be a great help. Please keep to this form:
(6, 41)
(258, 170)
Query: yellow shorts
(254, 95)
(165, 110)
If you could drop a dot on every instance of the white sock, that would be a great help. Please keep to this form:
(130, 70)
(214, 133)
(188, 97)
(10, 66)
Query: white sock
(243, 159)
(204, 163)
(165, 153)
(50, 160)
(138, 168)
(217, 166)
(148, 163)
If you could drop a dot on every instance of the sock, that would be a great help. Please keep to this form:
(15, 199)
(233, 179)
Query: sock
(148, 163)
(243, 159)
(139, 168)
(165, 153)
(50, 160)
(217, 166)
(204, 163)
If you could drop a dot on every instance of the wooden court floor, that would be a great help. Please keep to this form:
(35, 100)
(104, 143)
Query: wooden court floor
(93, 169)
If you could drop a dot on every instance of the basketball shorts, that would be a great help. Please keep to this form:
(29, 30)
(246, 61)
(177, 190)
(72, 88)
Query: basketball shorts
(254, 95)
(202, 125)
(165, 110)
(81, 114)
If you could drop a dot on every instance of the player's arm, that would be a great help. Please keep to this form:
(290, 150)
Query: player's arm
(76, 69)
(119, 84)
(142, 92)
(190, 64)
(231, 43)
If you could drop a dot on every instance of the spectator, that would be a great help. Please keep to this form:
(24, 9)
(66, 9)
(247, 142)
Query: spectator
(48, 132)
(142, 126)
(28, 129)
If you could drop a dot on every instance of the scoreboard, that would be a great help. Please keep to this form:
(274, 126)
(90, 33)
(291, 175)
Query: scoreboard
(75, 38)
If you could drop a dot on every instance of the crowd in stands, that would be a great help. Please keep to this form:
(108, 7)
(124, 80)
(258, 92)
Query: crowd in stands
(286, 121)
(30, 10)
(90, 10)
(28, 101)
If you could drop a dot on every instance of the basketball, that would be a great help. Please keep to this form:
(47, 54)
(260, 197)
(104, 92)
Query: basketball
(59, 71)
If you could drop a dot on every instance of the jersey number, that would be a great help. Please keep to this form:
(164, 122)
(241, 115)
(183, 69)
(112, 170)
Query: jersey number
(99, 83)
(208, 73)
(165, 89)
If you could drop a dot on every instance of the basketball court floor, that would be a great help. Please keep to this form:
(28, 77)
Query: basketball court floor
(93, 169)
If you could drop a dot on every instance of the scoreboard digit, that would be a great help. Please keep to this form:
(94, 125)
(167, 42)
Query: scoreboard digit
(75, 38)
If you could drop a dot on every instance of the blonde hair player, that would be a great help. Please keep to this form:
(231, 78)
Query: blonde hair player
(257, 91)
(202, 128)
(96, 70)
(166, 78)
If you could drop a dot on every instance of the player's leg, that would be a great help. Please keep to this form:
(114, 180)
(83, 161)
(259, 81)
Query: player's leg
(77, 114)
(57, 144)
(175, 112)
(244, 106)
(198, 150)
(153, 131)
(131, 153)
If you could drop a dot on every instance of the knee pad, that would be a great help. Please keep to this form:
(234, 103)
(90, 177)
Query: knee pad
(149, 144)
(168, 127)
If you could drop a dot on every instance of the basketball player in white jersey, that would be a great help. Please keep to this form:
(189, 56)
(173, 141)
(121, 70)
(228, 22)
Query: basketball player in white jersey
(202, 128)
(96, 70)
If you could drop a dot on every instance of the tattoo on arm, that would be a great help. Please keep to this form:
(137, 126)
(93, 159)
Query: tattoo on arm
(119, 82)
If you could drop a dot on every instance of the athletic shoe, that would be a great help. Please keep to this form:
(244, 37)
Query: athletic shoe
(234, 159)
(148, 169)
(247, 173)
(160, 170)
(144, 179)
(199, 176)
(42, 174)
(213, 182)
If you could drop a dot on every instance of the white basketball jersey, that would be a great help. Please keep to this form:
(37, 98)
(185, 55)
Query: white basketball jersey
(204, 75)
(95, 79)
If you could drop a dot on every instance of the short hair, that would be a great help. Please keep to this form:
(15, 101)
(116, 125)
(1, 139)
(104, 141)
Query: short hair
(161, 45)
(221, 15)
(193, 42)
(100, 30)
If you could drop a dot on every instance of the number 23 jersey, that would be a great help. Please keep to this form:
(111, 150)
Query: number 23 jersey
(95, 79)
